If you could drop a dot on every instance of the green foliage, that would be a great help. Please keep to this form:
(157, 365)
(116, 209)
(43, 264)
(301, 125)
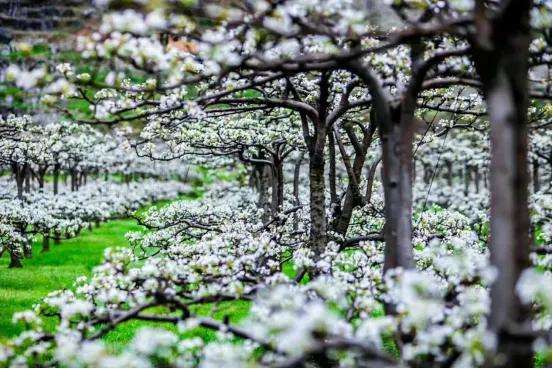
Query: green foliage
(207, 176)
(543, 359)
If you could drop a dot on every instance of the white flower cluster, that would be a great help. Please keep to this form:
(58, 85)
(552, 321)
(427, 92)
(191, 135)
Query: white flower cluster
(67, 213)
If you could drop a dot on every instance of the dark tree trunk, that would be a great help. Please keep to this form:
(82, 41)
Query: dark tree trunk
(318, 233)
(334, 200)
(27, 174)
(509, 224)
(19, 172)
(252, 179)
(260, 180)
(536, 176)
(40, 174)
(57, 238)
(74, 177)
(263, 188)
(397, 153)
(343, 220)
(353, 197)
(20, 181)
(15, 260)
(449, 166)
(316, 145)
(467, 180)
(427, 174)
(296, 188)
(296, 185)
(396, 130)
(278, 184)
(45, 243)
(370, 179)
(40, 180)
(501, 57)
(477, 177)
(56, 178)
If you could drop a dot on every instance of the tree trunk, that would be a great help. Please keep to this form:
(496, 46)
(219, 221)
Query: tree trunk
(370, 179)
(318, 233)
(56, 178)
(19, 172)
(426, 174)
(509, 224)
(334, 200)
(296, 185)
(15, 259)
(28, 248)
(501, 58)
(40, 180)
(278, 184)
(74, 175)
(82, 178)
(449, 166)
(45, 243)
(536, 176)
(396, 130)
(27, 174)
(351, 201)
(353, 197)
(397, 154)
(262, 180)
(467, 180)
(20, 179)
(477, 178)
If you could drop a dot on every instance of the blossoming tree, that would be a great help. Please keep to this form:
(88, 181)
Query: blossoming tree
(347, 265)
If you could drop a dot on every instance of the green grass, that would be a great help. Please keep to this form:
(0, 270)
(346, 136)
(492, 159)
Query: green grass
(234, 310)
